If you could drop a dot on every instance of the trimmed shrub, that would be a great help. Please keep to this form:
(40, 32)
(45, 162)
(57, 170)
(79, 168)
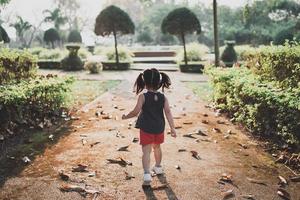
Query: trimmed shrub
(276, 63)
(283, 35)
(125, 55)
(229, 56)
(16, 65)
(32, 103)
(93, 66)
(72, 62)
(51, 54)
(194, 51)
(262, 107)
(74, 37)
(51, 36)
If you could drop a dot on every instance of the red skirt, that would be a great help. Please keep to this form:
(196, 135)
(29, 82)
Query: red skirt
(148, 138)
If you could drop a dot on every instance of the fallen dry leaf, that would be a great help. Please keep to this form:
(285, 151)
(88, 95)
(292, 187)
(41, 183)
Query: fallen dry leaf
(228, 194)
(216, 130)
(190, 135)
(135, 140)
(124, 148)
(205, 115)
(64, 176)
(248, 196)
(195, 155)
(188, 122)
(178, 127)
(93, 144)
(243, 145)
(83, 142)
(283, 194)
(226, 178)
(200, 132)
(129, 176)
(295, 179)
(80, 168)
(178, 167)
(220, 122)
(107, 117)
(203, 140)
(259, 182)
(181, 150)
(204, 121)
(160, 187)
(80, 189)
(119, 161)
(282, 181)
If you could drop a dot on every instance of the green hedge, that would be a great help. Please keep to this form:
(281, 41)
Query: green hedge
(276, 63)
(16, 65)
(264, 108)
(31, 102)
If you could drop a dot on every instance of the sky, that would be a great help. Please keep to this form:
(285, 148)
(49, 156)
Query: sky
(32, 11)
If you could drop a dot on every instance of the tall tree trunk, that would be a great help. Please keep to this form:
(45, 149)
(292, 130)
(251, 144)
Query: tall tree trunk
(184, 49)
(216, 37)
(52, 44)
(116, 48)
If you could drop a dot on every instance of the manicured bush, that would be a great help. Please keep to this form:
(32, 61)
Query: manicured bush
(72, 62)
(93, 66)
(283, 35)
(3, 35)
(74, 37)
(16, 65)
(276, 63)
(194, 51)
(32, 103)
(229, 56)
(125, 55)
(262, 107)
(51, 36)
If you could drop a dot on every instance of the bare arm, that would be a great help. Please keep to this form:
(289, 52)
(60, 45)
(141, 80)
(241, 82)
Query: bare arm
(169, 117)
(137, 109)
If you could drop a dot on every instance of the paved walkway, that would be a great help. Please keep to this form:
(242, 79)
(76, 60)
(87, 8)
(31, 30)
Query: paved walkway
(235, 156)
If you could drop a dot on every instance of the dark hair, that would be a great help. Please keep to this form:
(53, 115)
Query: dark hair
(153, 79)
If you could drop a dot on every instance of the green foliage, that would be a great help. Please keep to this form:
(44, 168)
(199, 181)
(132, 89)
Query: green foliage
(4, 36)
(16, 65)
(51, 36)
(144, 38)
(229, 56)
(32, 102)
(276, 63)
(113, 19)
(180, 21)
(72, 62)
(51, 54)
(93, 66)
(74, 37)
(262, 107)
(56, 17)
(125, 55)
(195, 52)
(83, 53)
(282, 36)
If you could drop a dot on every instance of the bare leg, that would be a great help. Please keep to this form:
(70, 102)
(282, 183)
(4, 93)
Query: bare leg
(157, 154)
(146, 157)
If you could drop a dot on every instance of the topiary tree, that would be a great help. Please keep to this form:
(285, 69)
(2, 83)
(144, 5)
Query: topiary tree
(51, 36)
(229, 56)
(113, 20)
(74, 37)
(4, 36)
(180, 22)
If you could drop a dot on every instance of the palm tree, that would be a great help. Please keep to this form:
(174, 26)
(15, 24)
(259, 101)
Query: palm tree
(56, 17)
(216, 37)
(21, 27)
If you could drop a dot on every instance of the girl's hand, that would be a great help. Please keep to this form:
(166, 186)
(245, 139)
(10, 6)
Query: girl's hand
(123, 116)
(173, 133)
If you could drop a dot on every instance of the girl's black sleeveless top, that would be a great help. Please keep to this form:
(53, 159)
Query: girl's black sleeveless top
(151, 119)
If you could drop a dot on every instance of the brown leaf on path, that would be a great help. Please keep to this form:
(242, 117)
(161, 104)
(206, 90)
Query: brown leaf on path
(190, 135)
(124, 148)
(177, 117)
(248, 196)
(255, 181)
(181, 150)
(243, 145)
(205, 121)
(283, 194)
(195, 155)
(119, 161)
(188, 122)
(220, 122)
(178, 127)
(178, 167)
(226, 178)
(203, 140)
(160, 187)
(200, 132)
(93, 144)
(76, 188)
(295, 179)
(83, 142)
(135, 140)
(80, 168)
(107, 117)
(216, 130)
(228, 194)
(205, 115)
(128, 176)
(64, 176)
(282, 181)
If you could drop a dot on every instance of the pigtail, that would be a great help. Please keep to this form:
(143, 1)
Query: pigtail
(139, 84)
(165, 81)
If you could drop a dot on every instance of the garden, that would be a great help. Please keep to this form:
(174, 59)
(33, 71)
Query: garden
(66, 78)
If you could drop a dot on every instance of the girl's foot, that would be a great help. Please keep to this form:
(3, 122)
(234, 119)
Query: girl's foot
(147, 179)
(158, 170)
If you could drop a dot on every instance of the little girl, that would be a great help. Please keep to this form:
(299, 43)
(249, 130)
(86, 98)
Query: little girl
(151, 107)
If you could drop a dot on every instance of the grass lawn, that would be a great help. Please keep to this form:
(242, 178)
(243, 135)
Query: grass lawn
(85, 91)
(202, 89)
